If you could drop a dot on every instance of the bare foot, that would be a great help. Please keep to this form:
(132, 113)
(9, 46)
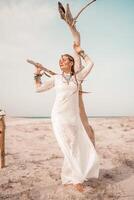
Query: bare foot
(79, 187)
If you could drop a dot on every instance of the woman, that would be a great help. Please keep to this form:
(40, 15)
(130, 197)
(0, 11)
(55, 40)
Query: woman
(81, 160)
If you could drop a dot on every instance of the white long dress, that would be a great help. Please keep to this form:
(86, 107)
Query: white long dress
(81, 161)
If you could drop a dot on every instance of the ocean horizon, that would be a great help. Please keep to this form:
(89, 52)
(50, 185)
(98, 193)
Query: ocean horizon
(48, 117)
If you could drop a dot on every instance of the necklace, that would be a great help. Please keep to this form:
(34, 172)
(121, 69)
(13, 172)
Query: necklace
(67, 77)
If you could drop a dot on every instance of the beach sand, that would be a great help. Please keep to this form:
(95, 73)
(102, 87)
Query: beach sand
(34, 161)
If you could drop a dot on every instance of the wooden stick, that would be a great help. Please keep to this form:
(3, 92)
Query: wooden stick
(42, 67)
(75, 18)
(2, 141)
(66, 15)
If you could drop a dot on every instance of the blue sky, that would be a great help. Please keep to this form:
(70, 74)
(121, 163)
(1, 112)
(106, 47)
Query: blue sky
(33, 29)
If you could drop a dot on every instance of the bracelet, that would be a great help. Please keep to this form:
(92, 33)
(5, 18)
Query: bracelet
(37, 77)
(82, 54)
(37, 74)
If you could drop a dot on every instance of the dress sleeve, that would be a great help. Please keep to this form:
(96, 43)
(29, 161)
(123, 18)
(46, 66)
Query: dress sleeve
(47, 85)
(82, 74)
(77, 60)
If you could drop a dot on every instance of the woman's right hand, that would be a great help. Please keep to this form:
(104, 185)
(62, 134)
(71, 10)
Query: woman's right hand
(38, 68)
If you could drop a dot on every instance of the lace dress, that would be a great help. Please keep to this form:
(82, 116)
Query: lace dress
(81, 160)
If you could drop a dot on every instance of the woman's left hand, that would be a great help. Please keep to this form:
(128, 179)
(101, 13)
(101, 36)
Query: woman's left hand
(38, 68)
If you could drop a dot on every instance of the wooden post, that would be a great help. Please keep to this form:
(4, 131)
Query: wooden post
(66, 15)
(2, 140)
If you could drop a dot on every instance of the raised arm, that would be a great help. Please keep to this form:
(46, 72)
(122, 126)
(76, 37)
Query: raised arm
(86, 70)
(77, 60)
(38, 84)
(89, 63)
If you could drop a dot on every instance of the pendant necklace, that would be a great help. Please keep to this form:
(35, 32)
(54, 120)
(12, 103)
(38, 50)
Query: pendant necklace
(67, 77)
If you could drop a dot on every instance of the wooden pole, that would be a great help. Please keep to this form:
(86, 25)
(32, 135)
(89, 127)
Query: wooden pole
(66, 15)
(2, 141)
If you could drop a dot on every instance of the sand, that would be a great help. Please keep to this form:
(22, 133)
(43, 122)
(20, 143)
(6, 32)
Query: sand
(34, 161)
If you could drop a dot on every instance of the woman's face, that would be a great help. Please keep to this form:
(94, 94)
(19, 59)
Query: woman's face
(65, 63)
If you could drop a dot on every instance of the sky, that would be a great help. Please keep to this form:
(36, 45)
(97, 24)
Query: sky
(34, 30)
